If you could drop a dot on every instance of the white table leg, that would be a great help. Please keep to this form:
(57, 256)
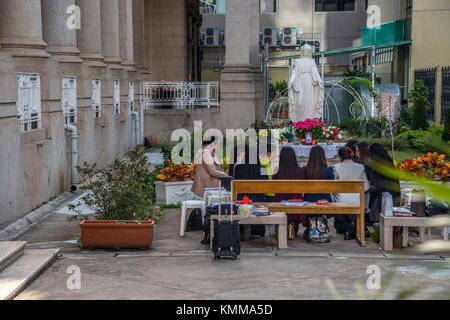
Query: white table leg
(183, 220)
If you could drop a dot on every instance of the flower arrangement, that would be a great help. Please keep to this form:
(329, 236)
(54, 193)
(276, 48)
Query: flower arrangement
(177, 172)
(309, 125)
(332, 133)
(431, 166)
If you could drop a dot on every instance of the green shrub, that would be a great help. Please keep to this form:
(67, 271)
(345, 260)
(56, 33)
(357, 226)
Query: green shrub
(166, 148)
(424, 140)
(419, 98)
(119, 191)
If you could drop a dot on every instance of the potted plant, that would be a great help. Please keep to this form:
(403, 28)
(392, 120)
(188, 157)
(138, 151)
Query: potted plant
(175, 182)
(122, 201)
(314, 126)
(331, 134)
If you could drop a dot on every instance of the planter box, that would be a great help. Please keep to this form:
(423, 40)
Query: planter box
(116, 235)
(173, 192)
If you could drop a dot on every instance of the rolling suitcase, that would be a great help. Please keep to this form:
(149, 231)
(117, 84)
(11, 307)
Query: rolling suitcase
(226, 233)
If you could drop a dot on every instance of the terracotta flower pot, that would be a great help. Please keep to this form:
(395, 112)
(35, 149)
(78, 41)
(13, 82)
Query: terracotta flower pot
(115, 234)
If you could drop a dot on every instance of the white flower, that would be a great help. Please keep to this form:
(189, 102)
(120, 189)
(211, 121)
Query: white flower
(339, 136)
(327, 135)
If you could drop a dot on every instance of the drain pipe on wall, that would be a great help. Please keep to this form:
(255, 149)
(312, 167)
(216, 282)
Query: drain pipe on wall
(136, 131)
(74, 152)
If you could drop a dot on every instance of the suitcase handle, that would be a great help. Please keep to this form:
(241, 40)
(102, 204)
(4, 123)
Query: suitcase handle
(227, 179)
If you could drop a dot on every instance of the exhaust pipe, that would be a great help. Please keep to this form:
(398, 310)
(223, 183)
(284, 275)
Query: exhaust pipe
(74, 152)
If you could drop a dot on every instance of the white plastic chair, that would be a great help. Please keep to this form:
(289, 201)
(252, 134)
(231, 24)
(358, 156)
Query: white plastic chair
(191, 204)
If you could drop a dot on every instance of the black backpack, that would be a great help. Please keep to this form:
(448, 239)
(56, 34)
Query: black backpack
(194, 222)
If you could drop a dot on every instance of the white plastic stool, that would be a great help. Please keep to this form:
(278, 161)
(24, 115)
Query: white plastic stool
(191, 204)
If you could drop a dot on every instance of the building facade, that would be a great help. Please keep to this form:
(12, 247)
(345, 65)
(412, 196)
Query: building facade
(79, 63)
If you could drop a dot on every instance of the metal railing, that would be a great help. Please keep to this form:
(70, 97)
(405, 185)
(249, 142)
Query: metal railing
(428, 76)
(180, 95)
(445, 93)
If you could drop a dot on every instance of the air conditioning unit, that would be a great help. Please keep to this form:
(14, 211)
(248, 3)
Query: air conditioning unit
(212, 37)
(270, 36)
(289, 37)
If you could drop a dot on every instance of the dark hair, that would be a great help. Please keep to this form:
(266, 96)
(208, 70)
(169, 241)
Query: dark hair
(316, 162)
(248, 170)
(363, 148)
(345, 153)
(378, 153)
(352, 145)
(208, 142)
(289, 168)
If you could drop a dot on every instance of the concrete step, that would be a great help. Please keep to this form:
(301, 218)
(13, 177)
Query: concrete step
(24, 270)
(10, 251)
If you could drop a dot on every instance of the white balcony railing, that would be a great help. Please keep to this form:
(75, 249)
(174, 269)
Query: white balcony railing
(181, 95)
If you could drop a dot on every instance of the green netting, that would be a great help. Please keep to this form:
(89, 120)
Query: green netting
(383, 33)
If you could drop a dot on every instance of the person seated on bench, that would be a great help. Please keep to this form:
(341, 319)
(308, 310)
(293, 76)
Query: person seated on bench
(348, 170)
(290, 170)
(317, 169)
(380, 183)
(250, 169)
(207, 172)
(362, 154)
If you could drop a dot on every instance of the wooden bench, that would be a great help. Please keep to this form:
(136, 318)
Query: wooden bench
(277, 218)
(309, 186)
(387, 224)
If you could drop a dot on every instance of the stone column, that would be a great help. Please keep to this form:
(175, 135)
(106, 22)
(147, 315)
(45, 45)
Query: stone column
(89, 37)
(110, 31)
(238, 77)
(138, 36)
(61, 40)
(21, 28)
(126, 32)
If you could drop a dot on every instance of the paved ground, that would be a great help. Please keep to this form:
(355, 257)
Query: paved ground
(182, 268)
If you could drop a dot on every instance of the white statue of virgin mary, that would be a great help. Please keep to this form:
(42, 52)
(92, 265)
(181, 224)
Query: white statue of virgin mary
(306, 89)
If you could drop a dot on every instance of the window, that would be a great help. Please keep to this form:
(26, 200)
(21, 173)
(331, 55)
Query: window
(212, 6)
(335, 5)
(131, 95)
(384, 55)
(116, 96)
(69, 99)
(97, 97)
(268, 6)
(29, 101)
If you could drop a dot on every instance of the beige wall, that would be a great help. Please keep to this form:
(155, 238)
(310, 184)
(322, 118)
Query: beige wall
(430, 27)
(431, 44)
(165, 39)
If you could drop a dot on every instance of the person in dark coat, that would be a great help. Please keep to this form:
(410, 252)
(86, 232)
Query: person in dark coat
(290, 170)
(380, 183)
(317, 169)
(250, 169)
(362, 155)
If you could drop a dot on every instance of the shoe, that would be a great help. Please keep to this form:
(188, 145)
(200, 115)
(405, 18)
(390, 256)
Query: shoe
(366, 233)
(350, 234)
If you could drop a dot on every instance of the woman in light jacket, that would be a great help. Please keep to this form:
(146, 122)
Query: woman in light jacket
(207, 170)
(348, 170)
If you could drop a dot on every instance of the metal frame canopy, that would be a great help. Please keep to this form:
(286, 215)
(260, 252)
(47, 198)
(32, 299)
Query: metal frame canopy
(341, 51)
(334, 52)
